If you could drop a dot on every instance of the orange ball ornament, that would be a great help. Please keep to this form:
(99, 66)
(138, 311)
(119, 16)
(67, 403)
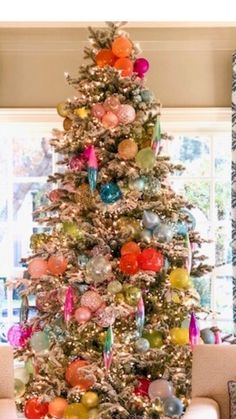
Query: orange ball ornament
(129, 264)
(83, 380)
(130, 247)
(57, 264)
(38, 267)
(122, 47)
(125, 65)
(105, 57)
(56, 407)
(127, 149)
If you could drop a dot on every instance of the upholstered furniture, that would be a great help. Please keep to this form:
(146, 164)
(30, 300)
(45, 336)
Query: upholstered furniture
(7, 404)
(213, 367)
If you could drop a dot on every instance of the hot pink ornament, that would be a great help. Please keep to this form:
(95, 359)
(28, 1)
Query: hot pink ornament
(218, 338)
(92, 300)
(126, 114)
(98, 110)
(69, 305)
(83, 315)
(110, 120)
(112, 104)
(141, 66)
(87, 151)
(77, 163)
(18, 335)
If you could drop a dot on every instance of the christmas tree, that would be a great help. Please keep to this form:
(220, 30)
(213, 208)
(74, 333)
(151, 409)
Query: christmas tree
(112, 279)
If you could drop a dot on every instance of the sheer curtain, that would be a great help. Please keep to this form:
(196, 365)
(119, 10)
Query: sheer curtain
(234, 184)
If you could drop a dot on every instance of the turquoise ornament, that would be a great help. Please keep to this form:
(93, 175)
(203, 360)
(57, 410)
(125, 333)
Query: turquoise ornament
(110, 193)
(181, 228)
(173, 407)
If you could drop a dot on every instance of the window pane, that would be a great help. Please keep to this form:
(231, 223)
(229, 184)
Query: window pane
(32, 156)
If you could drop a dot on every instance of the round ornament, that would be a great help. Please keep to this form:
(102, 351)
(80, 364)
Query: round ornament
(76, 411)
(146, 235)
(55, 195)
(129, 264)
(119, 298)
(92, 300)
(150, 220)
(142, 345)
(179, 336)
(57, 264)
(90, 399)
(106, 317)
(114, 287)
(77, 163)
(39, 342)
(77, 374)
(154, 337)
(93, 413)
(129, 227)
(112, 104)
(207, 336)
(141, 66)
(132, 295)
(110, 193)
(18, 335)
(137, 184)
(163, 233)
(61, 109)
(160, 389)
(146, 159)
(57, 407)
(146, 96)
(110, 120)
(142, 388)
(173, 407)
(83, 315)
(130, 247)
(34, 409)
(179, 278)
(19, 388)
(127, 149)
(151, 260)
(105, 57)
(98, 110)
(22, 374)
(38, 267)
(126, 114)
(98, 269)
(67, 124)
(72, 229)
(122, 47)
(29, 366)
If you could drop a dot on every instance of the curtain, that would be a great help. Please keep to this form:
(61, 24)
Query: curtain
(234, 185)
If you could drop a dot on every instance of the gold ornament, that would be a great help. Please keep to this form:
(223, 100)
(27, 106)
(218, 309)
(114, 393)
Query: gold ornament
(179, 336)
(93, 413)
(67, 123)
(132, 295)
(154, 337)
(127, 149)
(82, 112)
(90, 399)
(129, 228)
(61, 110)
(179, 278)
(37, 240)
(119, 298)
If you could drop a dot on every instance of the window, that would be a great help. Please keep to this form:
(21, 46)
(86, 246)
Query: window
(202, 142)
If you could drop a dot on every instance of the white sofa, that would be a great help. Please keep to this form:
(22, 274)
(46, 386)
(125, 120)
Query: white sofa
(7, 404)
(213, 367)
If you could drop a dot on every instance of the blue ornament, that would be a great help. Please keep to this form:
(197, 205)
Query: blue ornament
(110, 193)
(173, 407)
(207, 336)
(191, 222)
(163, 233)
(181, 228)
(92, 177)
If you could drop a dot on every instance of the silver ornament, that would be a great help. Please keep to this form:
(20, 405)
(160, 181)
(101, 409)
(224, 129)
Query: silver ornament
(137, 184)
(98, 269)
(146, 235)
(163, 233)
(142, 345)
(150, 220)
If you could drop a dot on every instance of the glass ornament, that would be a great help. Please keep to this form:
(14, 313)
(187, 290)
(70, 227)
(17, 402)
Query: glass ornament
(146, 235)
(179, 278)
(57, 407)
(92, 300)
(150, 220)
(129, 227)
(145, 159)
(125, 66)
(78, 374)
(39, 342)
(141, 66)
(19, 388)
(18, 335)
(90, 399)
(151, 260)
(72, 229)
(173, 407)
(110, 193)
(163, 233)
(37, 267)
(34, 409)
(207, 336)
(76, 411)
(61, 109)
(160, 389)
(142, 388)
(154, 337)
(181, 228)
(83, 315)
(127, 149)
(112, 104)
(137, 184)
(22, 374)
(132, 295)
(98, 269)
(129, 264)
(130, 247)
(57, 264)
(179, 336)
(98, 110)
(122, 47)
(110, 120)
(106, 317)
(105, 57)
(152, 187)
(126, 114)
(114, 287)
(142, 345)
(77, 163)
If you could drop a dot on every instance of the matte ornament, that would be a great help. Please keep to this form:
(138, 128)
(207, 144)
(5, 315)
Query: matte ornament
(67, 124)
(110, 193)
(151, 260)
(130, 247)
(112, 104)
(163, 233)
(105, 57)
(129, 264)
(76, 411)
(110, 120)
(57, 264)
(126, 114)
(141, 66)
(142, 345)
(90, 399)
(160, 389)
(179, 278)
(142, 387)
(39, 342)
(154, 337)
(34, 409)
(83, 315)
(57, 407)
(98, 269)
(98, 110)
(146, 159)
(61, 109)
(173, 407)
(179, 336)
(132, 295)
(122, 47)
(146, 96)
(92, 300)
(150, 220)
(22, 374)
(19, 388)
(127, 149)
(69, 305)
(38, 267)
(18, 335)
(207, 336)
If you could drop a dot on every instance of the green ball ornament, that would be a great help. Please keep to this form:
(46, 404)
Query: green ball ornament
(132, 295)
(19, 388)
(29, 366)
(40, 342)
(114, 287)
(146, 159)
(154, 337)
(71, 229)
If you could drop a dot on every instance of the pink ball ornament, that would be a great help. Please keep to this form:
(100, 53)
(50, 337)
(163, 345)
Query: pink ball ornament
(18, 335)
(77, 163)
(110, 120)
(112, 104)
(141, 66)
(83, 315)
(106, 318)
(126, 114)
(92, 300)
(55, 195)
(98, 110)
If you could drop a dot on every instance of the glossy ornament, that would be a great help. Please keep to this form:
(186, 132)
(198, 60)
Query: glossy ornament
(163, 233)
(194, 332)
(190, 219)
(29, 366)
(114, 287)
(129, 227)
(207, 336)
(83, 315)
(92, 169)
(90, 399)
(179, 278)
(39, 342)
(108, 348)
(130, 247)
(34, 409)
(105, 57)
(69, 304)
(78, 374)
(160, 389)
(77, 163)
(67, 124)
(19, 388)
(57, 264)
(55, 195)
(38, 267)
(18, 335)
(142, 388)
(138, 184)
(92, 300)
(154, 337)
(72, 229)
(141, 66)
(146, 159)
(126, 114)
(112, 104)
(76, 411)
(140, 316)
(127, 149)
(142, 345)
(179, 336)
(173, 407)
(119, 298)
(151, 260)
(150, 220)
(110, 193)
(22, 374)
(146, 235)
(57, 407)
(122, 47)
(93, 413)
(98, 110)
(37, 240)
(129, 264)
(81, 112)
(61, 109)
(132, 295)
(110, 120)
(98, 269)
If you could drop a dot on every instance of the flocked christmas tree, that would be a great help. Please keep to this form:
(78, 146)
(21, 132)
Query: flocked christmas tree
(112, 280)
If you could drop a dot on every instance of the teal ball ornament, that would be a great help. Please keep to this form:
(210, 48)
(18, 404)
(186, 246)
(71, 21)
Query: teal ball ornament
(173, 407)
(207, 336)
(110, 193)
